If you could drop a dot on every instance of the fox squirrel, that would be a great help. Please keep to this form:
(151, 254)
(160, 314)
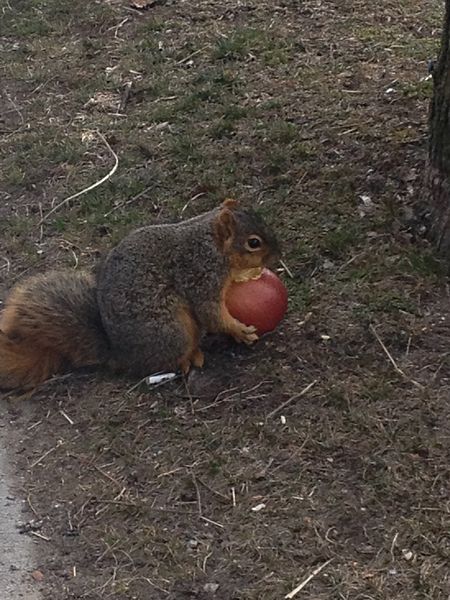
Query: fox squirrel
(146, 309)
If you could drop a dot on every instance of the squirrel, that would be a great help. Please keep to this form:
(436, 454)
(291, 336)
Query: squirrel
(147, 307)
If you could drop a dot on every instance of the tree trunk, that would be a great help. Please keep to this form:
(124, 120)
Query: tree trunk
(438, 177)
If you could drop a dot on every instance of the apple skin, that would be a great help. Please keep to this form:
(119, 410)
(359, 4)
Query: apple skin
(259, 302)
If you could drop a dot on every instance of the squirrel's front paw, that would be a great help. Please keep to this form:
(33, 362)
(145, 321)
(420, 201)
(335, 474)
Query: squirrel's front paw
(246, 334)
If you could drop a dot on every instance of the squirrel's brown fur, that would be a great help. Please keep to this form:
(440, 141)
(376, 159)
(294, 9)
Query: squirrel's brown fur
(154, 297)
(50, 321)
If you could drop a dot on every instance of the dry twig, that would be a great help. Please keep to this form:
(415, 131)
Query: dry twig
(36, 462)
(91, 187)
(126, 202)
(291, 399)
(307, 580)
(199, 498)
(191, 55)
(287, 269)
(392, 361)
(40, 536)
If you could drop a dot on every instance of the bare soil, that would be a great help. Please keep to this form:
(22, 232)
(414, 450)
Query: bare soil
(234, 484)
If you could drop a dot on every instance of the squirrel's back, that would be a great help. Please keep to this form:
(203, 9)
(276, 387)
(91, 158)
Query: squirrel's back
(179, 254)
(50, 320)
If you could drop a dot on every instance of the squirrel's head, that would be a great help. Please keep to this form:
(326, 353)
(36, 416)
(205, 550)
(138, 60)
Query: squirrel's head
(244, 238)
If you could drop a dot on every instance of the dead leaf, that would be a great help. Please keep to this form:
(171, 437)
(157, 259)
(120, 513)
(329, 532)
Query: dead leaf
(142, 4)
(37, 575)
(103, 101)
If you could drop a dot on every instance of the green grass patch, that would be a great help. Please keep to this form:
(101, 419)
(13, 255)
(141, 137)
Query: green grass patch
(300, 295)
(424, 262)
(390, 301)
(419, 90)
(247, 43)
(338, 242)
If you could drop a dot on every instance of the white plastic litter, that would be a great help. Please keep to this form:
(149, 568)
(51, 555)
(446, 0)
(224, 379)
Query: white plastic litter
(160, 378)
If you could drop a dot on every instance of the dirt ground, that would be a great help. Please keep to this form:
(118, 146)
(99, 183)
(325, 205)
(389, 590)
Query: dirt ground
(328, 441)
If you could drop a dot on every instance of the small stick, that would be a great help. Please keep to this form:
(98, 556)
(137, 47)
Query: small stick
(392, 361)
(408, 346)
(188, 392)
(350, 261)
(117, 27)
(66, 416)
(39, 535)
(32, 507)
(394, 542)
(120, 494)
(212, 490)
(170, 472)
(199, 498)
(91, 187)
(165, 99)
(133, 199)
(191, 55)
(212, 522)
(108, 476)
(307, 580)
(289, 400)
(41, 232)
(199, 195)
(7, 264)
(305, 320)
(287, 269)
(22, 120)
(36, 462)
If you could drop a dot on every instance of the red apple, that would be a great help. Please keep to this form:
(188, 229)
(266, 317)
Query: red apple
(260, 302)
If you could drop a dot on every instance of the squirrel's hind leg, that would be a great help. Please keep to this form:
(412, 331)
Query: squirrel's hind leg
(193, 356)
(162, 339)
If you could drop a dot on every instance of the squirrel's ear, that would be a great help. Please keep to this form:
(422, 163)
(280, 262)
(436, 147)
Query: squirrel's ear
(230, 203)
(224, 227)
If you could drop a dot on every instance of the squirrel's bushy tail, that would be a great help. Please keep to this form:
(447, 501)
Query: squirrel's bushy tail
(50, 322)
(24, 366)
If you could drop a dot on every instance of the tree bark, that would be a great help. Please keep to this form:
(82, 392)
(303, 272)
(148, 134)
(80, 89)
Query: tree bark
(438, 176)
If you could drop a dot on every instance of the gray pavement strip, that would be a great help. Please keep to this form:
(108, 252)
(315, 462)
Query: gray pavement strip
(17, 551)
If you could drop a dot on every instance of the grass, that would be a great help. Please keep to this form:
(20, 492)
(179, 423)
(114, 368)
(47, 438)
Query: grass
(338, 242)
(248, 43)
(286, 109)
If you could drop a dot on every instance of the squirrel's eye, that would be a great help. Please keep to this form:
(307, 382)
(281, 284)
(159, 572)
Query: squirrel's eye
(254, 243)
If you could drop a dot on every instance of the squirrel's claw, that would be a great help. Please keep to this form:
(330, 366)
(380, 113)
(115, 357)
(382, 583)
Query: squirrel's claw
(194, 359)
(198, 358)
(246, 334)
